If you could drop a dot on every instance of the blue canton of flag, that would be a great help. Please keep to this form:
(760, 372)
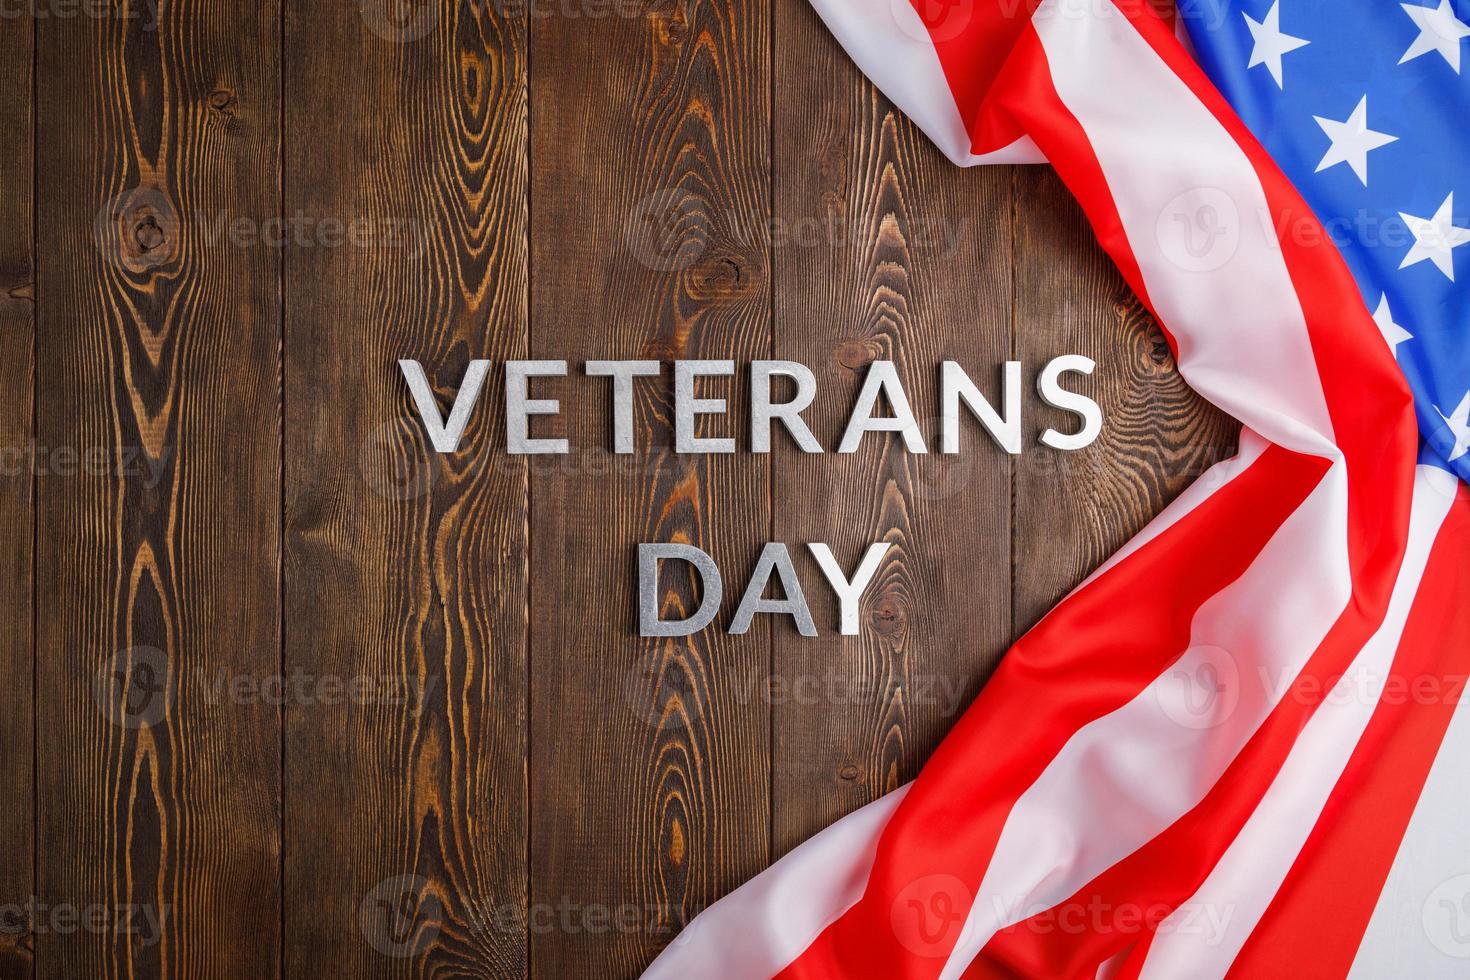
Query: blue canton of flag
(1365, 105)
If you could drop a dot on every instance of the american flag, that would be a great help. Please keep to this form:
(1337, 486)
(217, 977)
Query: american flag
(1238, 748)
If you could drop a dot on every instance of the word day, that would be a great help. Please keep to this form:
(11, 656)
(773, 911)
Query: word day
(774, 563)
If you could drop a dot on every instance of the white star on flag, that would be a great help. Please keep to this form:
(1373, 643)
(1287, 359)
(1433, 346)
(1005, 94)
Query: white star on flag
(1436, 238)
(1270, 44)
(1439, 30)
(1459, 425)
(1351, 141)
(1392, 332)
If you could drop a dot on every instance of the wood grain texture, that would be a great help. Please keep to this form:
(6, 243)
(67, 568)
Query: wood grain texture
(1073, 510)
(17, 364)
(649, 759)
(157, 557)
(898, 255)
(340, 706)
(405, 570)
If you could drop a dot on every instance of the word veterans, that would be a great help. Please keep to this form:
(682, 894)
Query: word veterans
(881, 383)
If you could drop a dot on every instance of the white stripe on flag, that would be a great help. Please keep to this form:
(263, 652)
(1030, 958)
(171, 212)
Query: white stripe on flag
(1241, 887)
(753, 933)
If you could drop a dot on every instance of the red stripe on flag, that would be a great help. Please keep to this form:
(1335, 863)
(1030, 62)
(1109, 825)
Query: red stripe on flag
(973, 42)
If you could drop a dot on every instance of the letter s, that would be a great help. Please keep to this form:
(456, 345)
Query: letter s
(1048, 385)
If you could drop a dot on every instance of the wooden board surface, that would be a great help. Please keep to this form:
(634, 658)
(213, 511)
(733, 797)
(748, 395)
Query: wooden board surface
(891, 253)
(332, 704)
(158, 537)
(649, 760)
(1159, 436)
(17, 484)
(405, 571)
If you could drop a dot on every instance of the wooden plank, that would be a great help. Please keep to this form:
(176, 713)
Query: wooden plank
(1073, 510)
(405, 571)
(17, 364)
(895, 254)
(650, 759)
(157, 555)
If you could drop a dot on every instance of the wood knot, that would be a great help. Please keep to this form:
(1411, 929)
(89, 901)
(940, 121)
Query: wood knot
(224, 102)
(720, 277)
(139, 229)
(25, 292)
(673, 27)
(888, 618)
(149, 234)
(855, 354)
(1158, 350)
(848, 772)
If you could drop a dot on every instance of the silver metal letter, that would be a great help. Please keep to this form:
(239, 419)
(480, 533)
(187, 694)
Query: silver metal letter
(622, 373)
(520, 406)
(1048, 385)
(444, 436)
(849, 594)
(882, 379)
(955, 385)
(762, 412)
(774, 558)
(649, 594)
(686, 406)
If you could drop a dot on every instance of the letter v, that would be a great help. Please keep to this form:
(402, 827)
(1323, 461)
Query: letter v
(445, 435)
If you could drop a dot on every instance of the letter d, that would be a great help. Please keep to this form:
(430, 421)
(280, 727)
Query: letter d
(649, 623)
